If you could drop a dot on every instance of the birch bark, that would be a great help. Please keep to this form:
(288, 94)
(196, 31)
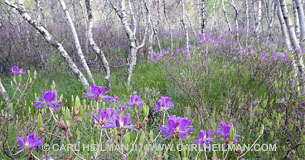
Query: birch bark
(184, 26)
(96, 49)
(50, 39)
(131, 34)
(295, 44)
(4, 94)
(259, 17)
(77, 43)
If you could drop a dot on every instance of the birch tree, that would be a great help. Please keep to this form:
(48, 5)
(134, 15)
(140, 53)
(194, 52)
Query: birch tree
(296, 20)
(51, 40)
(4, 94)
(95, 47)
(187, 39)
(294, 42)
(225, 15)
(131, 34)
(301, 21)
(76, 42)
(202, 16)
(259, 16)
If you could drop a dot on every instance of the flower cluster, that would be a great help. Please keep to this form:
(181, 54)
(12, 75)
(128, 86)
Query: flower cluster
(48, 99)
(163, 104)
(16, 70)
(29, 142)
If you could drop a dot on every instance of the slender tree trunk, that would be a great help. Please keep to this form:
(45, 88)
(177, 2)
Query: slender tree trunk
(213, 14)
(50, 39)
(284, 28)
(77, 43)
(191, 24)
(259, 16)
(203, 17)
(301, 21)
(184, 26)
(296, 20)
(131, 34)
(295, 44)
(96, 49)
(247, 20)
(225, 15)
(4, 94)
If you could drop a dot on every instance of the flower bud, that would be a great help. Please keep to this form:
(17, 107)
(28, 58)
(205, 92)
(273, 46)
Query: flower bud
(35, 75)
(40, 121)
(53, 86)
(151, 135)
(77, 105)
(142, 138)
(145, 110)
(67, 114)
(20, 77)
(127, 139)
(78, 135)
(262, 130)
(232, 133)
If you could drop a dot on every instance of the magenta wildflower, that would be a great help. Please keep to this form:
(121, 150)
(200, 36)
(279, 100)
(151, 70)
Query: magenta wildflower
(163, 104)
(124, 122)
(97, 93)
(48, 99)
(135, 101)
(224, 130)
(177, 126)
(204, 138)
(16, 70)
(104, 118)
(29, 142)
(282, 100)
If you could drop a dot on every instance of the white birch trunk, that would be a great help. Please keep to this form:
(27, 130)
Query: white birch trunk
(131, 34)
(296, 20)
(184, 26)
(50, 39)
(247, 20)
(4, 94)
(191, 23)
(95, 47)
(295, 44)
(225, 15)
(301, 21)
(259, 17)
(203, 17)
(77, 43)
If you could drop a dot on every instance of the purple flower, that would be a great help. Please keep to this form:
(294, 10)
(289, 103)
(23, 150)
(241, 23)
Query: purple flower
(177, 126)
(225, 131)
(204, 138)
(104, 118)
(124, 122)
(29, 142)
(263, 56)
(97, 93)
(282, 100)
(48, 99)
(163, 104)
(293, 82)
(135, 101)
(121, 108)
(16, 70)
(256, 101)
